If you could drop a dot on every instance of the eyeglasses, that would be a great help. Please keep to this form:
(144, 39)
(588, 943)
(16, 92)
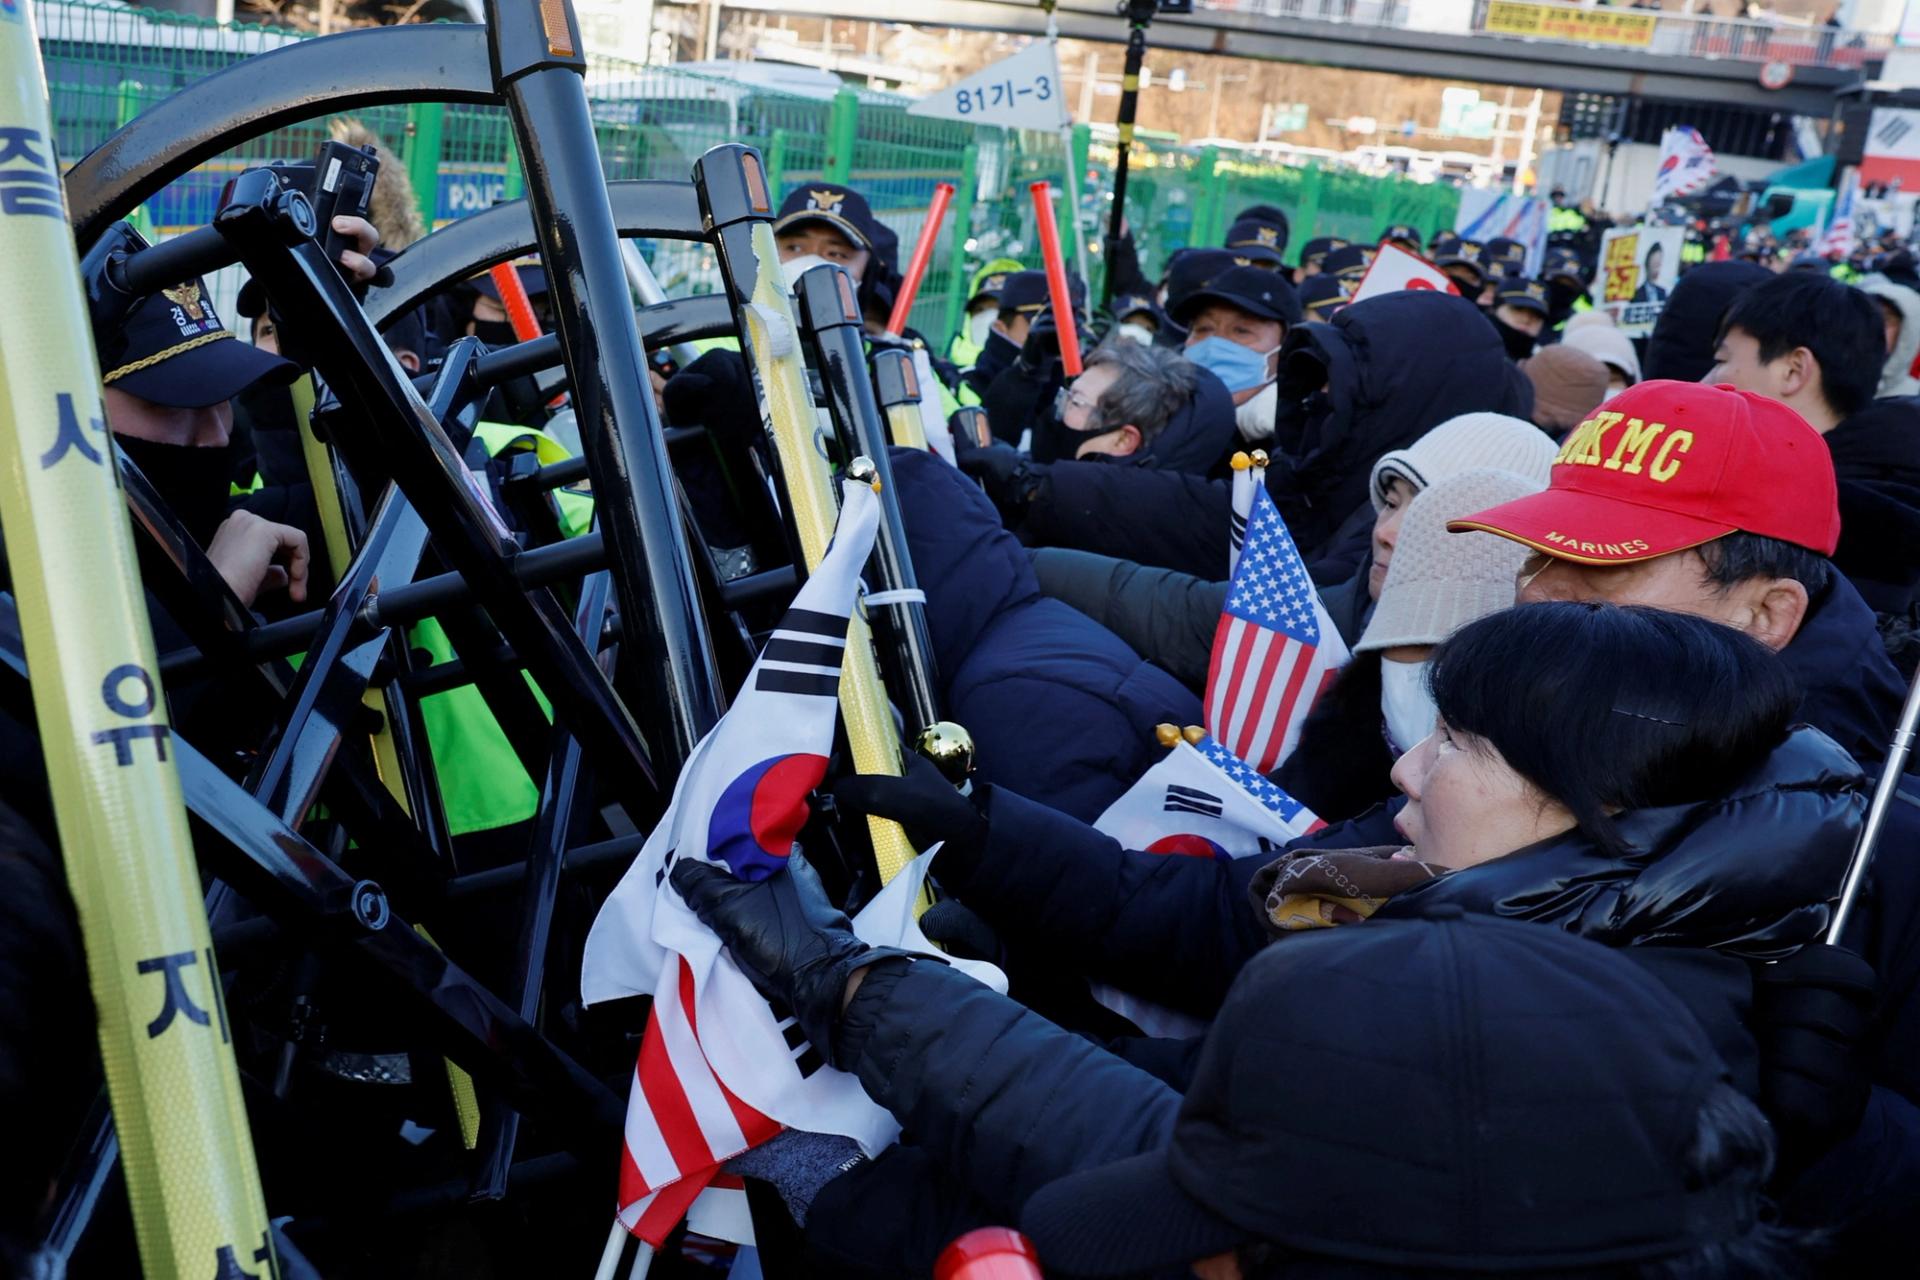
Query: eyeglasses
(1067, 398)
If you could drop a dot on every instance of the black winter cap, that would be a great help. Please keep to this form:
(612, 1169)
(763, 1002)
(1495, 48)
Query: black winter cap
(1253, 290)
(1194, 269)
(1463, 1093)
(1518, 291)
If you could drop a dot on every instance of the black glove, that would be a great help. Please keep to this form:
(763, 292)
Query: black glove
(793, 944)
(1811, 1013)
(1043, 341)
(716, 392)
(922, 801)
(1009, 476)
(962, 931)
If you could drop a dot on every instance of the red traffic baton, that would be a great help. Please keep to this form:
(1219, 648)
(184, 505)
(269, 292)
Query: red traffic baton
(513, 297)
(989, 1253)
(922, 254)
(1063, 317)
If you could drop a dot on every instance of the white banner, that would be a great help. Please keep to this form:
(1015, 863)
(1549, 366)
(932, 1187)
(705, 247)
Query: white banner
(1395, 269)
(1020, 92)
(1488, 215)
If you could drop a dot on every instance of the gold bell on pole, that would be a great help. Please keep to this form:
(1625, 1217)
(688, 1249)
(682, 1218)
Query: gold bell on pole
(950, 747)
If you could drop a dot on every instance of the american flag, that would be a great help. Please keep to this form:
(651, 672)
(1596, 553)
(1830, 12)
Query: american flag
(719, 1069)
(1838, 239)
(1275, 648)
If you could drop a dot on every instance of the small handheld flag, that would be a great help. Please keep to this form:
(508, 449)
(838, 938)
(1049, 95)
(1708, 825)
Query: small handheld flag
(1275, 649)
(1201, 801)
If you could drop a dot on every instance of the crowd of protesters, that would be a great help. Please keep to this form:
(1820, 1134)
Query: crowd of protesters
(1630, 619)
(1550, 993)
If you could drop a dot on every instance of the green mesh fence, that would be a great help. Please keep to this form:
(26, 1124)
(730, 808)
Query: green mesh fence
(105, 65)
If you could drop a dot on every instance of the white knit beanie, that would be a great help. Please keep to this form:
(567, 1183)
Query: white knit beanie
(1581, 319)
(1607, 345)
(1438, 582)
(1470, 441)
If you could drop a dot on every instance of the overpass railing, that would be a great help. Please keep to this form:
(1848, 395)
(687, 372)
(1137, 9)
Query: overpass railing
(1660, 32)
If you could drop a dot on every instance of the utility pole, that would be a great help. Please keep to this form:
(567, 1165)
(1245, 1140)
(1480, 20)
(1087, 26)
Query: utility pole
(1213, 110)
(1089, 81)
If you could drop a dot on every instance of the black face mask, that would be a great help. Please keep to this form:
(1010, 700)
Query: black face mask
(196, 484)
(1561, 296)
(1519, 345)
(495, 333)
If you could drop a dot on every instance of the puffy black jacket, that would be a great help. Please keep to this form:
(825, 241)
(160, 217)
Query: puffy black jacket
(1392, 367)
(997, 1101)
(1055, 701)
(1876, 459)
(1749, 874)
(1702, 876)
(1849, 689)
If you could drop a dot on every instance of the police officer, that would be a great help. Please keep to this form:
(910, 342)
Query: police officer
(1011, 339)
(1314, 252)
(1347, 264)
(170, 370)
(1520, 314)
(1402, 236)
(1322, 296)
(983, 304)
(1260, 243)
(1565, 276)
(1461, 261)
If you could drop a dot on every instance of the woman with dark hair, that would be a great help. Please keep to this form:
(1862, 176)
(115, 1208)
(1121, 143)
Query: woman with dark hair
(1627, 775)
(1650, 788)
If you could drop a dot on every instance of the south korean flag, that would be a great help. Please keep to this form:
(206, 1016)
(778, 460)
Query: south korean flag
(719, 1069)
(1201, 801)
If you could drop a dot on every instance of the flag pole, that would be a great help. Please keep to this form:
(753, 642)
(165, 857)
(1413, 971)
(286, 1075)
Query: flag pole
(610, 1255)
(1883, 798)
(642, 1262)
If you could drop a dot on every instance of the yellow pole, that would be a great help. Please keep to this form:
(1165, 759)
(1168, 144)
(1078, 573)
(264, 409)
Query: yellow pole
(773, 343)
(186, 1149)
(904, 425)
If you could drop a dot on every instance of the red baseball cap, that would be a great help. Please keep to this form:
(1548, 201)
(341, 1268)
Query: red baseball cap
(1664, 466)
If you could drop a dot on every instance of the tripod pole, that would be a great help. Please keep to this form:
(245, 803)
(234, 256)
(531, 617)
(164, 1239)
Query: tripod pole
(1139, 14)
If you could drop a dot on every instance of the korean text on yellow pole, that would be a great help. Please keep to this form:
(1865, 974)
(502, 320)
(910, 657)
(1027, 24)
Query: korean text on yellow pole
(185, 1146)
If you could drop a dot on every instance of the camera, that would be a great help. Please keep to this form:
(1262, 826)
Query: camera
(339, 182)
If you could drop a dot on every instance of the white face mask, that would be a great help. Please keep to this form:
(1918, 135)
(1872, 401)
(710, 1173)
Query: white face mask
(1136, 333)
(794, 268)
(978, 327)
(1406, 704)
(1255, 417)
